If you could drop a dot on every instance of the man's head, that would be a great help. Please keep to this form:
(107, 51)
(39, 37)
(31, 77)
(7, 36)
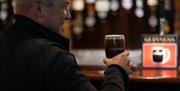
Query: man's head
(49, 13)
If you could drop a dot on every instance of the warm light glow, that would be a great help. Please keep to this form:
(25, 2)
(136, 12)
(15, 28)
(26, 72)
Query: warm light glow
(78, 5)
(139, 12)
(153, 22)
(90, 1)
(127, 4)
(102, 6)
(114, 5)
(139, 3)
(152, 2)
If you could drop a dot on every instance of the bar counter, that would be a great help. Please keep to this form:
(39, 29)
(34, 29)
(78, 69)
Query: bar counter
(141, 79)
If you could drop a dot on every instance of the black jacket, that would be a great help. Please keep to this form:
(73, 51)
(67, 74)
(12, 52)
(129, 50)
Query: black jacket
(33, 58)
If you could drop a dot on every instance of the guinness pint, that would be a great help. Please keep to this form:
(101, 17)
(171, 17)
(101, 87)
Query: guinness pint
(114, 44)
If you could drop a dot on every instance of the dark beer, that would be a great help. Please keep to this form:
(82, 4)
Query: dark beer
(157, 54)
(114, 45)
(158, 58)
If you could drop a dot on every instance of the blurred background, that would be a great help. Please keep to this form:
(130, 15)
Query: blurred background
(93, 19)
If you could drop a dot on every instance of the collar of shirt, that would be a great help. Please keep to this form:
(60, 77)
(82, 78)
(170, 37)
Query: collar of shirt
(41, 30)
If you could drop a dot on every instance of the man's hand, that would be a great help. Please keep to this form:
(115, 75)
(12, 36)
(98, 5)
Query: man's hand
(121, 59)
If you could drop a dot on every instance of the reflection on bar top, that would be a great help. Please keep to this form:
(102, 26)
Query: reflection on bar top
(155, 73)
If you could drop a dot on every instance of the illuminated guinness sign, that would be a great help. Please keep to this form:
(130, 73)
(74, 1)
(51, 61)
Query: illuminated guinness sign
(159, 51)
(159, 39)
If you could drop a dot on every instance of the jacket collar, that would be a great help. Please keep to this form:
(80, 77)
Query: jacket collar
(41, 30)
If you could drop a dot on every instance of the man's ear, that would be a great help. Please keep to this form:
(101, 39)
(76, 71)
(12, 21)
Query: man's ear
(38, 8)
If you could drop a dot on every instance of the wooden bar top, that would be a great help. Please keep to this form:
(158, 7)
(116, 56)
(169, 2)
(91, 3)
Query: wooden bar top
(141, 75)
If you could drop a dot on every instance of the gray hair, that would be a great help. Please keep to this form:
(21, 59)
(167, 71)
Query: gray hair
(47, 3)
(25, 4)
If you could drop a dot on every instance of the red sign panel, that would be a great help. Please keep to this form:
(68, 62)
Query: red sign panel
(159, 53)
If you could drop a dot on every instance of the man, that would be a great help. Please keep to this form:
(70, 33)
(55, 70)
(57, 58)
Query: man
(34, 54)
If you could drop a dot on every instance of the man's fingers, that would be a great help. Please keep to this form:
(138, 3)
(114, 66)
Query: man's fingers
(126, 53)
(105, 61)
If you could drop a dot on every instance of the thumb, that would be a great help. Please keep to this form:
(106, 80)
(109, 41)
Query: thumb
(105, 61)
(126, 53)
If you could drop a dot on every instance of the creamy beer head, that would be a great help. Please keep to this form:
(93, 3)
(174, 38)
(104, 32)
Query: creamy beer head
(114, 44)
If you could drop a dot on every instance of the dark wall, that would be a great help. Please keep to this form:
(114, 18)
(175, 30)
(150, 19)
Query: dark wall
(122, 22)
